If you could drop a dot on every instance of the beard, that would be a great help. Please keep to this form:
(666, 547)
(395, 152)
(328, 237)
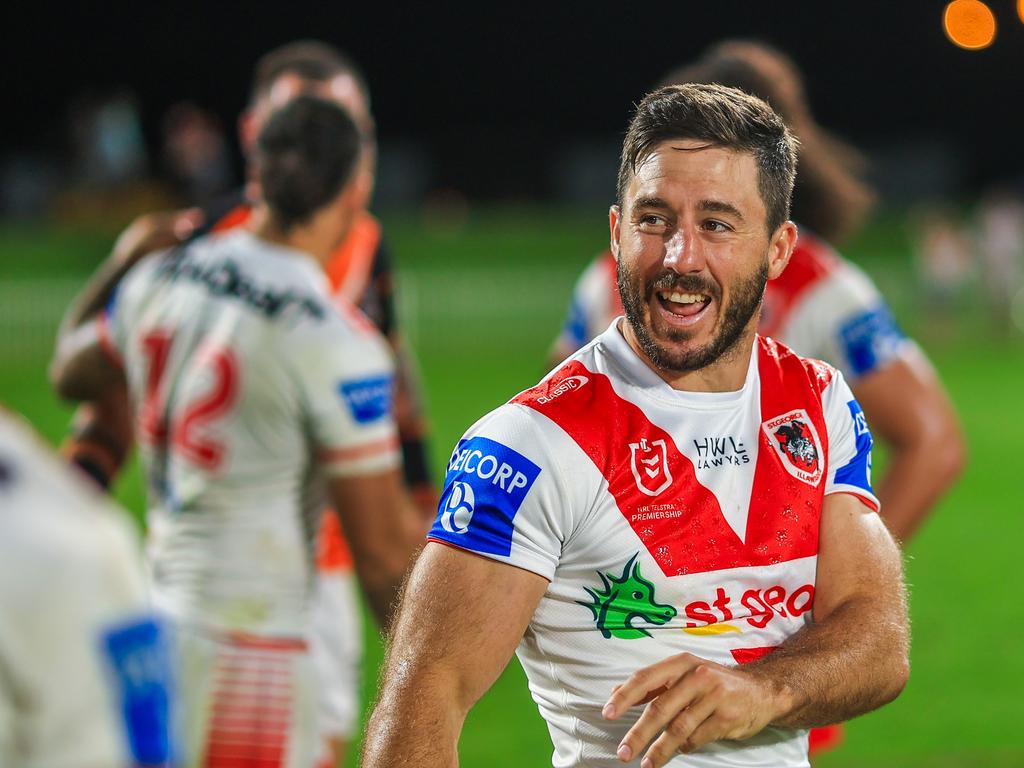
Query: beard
(636, 301)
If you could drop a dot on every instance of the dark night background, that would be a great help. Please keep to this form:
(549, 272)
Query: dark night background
(494, 101)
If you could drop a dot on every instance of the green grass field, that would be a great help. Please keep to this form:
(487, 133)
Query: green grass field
(481, 304)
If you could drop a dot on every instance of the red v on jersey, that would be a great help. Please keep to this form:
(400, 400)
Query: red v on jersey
(655, 485)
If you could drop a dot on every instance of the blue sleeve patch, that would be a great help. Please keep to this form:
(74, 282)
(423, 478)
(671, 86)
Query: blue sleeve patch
(368, 399)
(575, 329)
(857, 472)
(870, 339)
(483, 490)
(140, 658)
(111, 306)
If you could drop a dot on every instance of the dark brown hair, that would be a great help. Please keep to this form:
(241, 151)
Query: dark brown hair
(305, 155)
(724, 117)
(308, 59)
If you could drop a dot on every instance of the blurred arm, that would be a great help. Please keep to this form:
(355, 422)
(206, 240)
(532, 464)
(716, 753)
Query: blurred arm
(460, 620)
(853, 658)
(102, 436)
(81, 369)
(148, 233)
(413, 430)
(410, 415)
(906, 405)
(384, 531)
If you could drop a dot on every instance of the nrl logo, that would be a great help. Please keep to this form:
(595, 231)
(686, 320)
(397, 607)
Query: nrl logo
(621, 600)
(796, 442)
(649, 462)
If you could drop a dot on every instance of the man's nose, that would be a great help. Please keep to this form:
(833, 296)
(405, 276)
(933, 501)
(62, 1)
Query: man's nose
(684, 252)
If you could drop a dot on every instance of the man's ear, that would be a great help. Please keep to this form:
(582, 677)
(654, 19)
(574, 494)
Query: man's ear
(780, 248)
(614, 221)
(247, 133)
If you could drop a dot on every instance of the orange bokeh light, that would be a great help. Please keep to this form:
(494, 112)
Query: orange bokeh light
(971, 24)
(1020, 9)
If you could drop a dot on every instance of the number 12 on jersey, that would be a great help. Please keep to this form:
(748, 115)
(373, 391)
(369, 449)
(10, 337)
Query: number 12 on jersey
(185, 428)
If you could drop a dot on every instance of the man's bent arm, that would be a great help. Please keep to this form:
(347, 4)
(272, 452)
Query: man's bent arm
(81, 369)
(461, 618)
(850, 660)
(854, 657)
(384, 531)
(906, 406)
(149, 232)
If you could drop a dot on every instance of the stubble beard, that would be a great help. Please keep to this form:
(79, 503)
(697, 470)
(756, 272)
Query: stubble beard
(636, 301)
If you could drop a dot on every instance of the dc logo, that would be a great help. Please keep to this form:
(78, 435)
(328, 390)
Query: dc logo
(458, 511)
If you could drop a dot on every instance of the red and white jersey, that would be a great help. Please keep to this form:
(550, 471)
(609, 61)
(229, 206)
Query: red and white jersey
(85, 669)
(666, 521)
(249, 386)
(822, 306)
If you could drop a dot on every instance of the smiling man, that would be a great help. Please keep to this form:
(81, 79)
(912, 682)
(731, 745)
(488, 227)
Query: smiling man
(676, 527)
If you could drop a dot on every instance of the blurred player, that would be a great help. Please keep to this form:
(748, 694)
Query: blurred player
(254, 388)
(823, 306)
(360, 273)
(85, 676)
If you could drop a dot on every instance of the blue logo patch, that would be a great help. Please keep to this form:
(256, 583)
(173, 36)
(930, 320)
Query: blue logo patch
(140, 659)
(871, 339)
(368, 399)
(575, 328)
(858, 471)
(483, 490)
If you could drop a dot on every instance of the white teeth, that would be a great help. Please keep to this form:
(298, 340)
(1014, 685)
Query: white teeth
(685, 298)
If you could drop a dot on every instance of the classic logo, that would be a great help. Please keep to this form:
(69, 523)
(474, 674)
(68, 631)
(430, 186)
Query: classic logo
(621, 600)
(795, 440)
(649, 462)
(458, 510)
(568, 384)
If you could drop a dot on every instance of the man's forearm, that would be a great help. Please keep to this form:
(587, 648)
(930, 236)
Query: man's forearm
(851, 663)
(94, 296)
(146, 234)
(916, 476)
(414, 723)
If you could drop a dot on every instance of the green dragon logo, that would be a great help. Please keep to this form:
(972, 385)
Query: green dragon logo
(624, 599)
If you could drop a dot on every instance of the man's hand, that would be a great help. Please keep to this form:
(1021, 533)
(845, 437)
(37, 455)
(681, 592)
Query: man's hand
(691, 702)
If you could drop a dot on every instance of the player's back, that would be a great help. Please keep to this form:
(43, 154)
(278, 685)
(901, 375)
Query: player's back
(73, 621)
(229, 344)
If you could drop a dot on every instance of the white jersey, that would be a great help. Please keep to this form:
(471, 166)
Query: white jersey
(822, 306)
(666, 521)
(249, 385)
(84, 669)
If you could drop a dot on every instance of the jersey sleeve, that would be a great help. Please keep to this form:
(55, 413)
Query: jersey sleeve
(859, 333)
(346, 383)
(504, 495)
(589, 310)
(849, 443)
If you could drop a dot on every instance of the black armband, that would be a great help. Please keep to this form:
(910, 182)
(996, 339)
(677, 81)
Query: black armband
(414, 462)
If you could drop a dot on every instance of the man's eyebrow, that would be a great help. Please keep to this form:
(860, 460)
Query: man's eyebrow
(720, 206)
(651, 202)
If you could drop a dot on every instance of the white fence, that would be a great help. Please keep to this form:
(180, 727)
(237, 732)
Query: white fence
(439, 307)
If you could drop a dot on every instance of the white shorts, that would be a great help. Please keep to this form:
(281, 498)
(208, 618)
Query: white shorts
(245, 700)
(337, 652)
